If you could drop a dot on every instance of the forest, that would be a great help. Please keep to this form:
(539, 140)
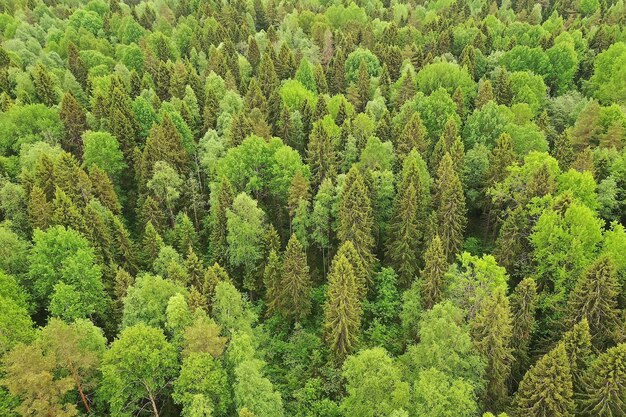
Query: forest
(312, 208)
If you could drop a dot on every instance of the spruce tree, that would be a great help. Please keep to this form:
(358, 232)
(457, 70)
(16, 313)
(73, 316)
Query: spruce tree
(298, 191)
(502, 156)
(432, 276)
(413, 136)
(218, 245)
(39, 210)
(271, 279)
(356, 219)
(605, 385)
(45, 87)
(595, 298)
(342, 312)
(151, 245)
(485, 94)
(321, 155)
(523, 309)
(579, 353)
(76, 65)
(294, 285)
(361, 274)
(450, 207)
(164, 143)
(102, 187)
(449, 142)
(492, 332)
(546, 390)
(404, 237)
(74, 121)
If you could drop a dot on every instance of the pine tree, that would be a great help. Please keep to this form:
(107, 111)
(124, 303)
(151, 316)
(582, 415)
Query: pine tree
(432, 276)
(321, 155)
(218, 245)
(361, 274)
(413, 136)
(342, 312)
(163, 144)
(294, 285)
(298, 191)
(605, 385)
(73, 117)
(39, 210)
(502, 156)
(546, 390)
(356, 219)
(450, 207)
(124, 247)
(563, 150)
(268, 79)
(449, 142)
(492, 332)
(337, 80)
(361, 90)
(595, 298)
(523, 309)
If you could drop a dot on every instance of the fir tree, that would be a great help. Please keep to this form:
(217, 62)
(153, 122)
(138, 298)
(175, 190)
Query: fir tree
(485, 94)
(294, 286)
(361, 274)
(356, 220)
(342, 312)
(76, 65)
(595, 298)
(578, 349)
(124, 247)
(450, 207)
(546, 390)
(163, 144)
(298, 191)
(103, 189)
(432, 276)
(45, 88)
(151, 245)
(492, 332)
(405, 237)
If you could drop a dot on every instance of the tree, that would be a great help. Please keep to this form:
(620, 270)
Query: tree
(374, 385)
(102, 149)
(432, 276)
(61, 255)
(523, 310)
(294, 284)
(546, 389)
(405, 237)
(136, 368)
(604, 384)
(356, 219)
(77, 350)
(595, 298)
(256, 393)
(166, 185)
(202, 387)
(492, 331)
(45, 87)
(413, 136)
(245, 234)
(437, 394)
(73, 117)
(450, 207)
(219, 209)
(578, 349)
(321, 155)
(342, 312)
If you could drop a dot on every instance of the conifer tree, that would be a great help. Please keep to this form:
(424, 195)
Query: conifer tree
(342, 312)
(449, 142)
(294, 286)
(151, 245)
(45, 88)
(163, 144)
(595, 298)
(563, 150)
(361, 90)
(578, 349)
(124, 247)
(337, 80)
(218, 245)
(546, 390)
(413, 136)
(356, 219)
(605, 385)
(523, 309)
(76, 65)
(73, 117)
(298, 191)
(103, 189)
(432, 276)
(268, 79)
(450, 207)
(39, 210)
(361, 274)
(65, 213)
(405, 237)
(321, 155)
(211, 109)
(492, 332)
(485, 93)
(500, 159)
(271, 279)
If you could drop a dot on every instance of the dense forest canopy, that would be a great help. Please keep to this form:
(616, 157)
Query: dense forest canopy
(313, 208)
